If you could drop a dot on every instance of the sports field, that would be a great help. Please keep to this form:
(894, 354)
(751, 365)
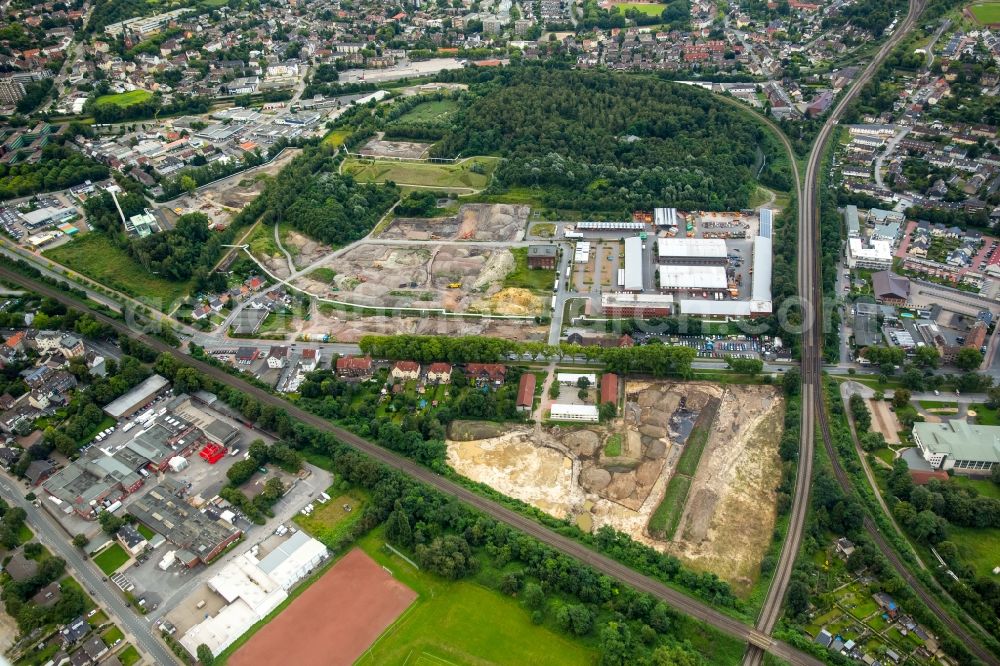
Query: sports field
(333, 621)
(444, 176)
(647, 8)
(463, 623)
(986, 13)
(125, 98)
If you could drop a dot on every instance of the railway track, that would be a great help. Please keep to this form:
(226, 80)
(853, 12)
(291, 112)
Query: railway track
(677, 600)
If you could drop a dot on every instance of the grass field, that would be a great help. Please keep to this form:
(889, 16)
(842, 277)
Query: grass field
(111, 559)
(128, 656)
(443, 176)
(428, 112)
(95, 256)
(111, 635)
(647, 8)
(145, 531)
(978, 547)
(986, 12)
(986, 487)
(124, 99)
(613, 447)
(328, 522)
(691, 455)
(664, 521)
(522, 277)
(985, 415)
(454, 623)
(336, 138)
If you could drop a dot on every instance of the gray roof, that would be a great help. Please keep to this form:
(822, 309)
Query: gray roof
(137, 396)
(541, 250)
(633, 264)
(888, 284)
(960, 440)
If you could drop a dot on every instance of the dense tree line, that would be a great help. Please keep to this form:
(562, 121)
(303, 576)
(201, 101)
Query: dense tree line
(110, 112)
(188, 179)
(35, 92)
(17, 594)
(602, 142)
(59, 168)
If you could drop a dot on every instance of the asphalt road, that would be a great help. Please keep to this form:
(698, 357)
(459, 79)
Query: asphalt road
(680, 602)
(56, 540)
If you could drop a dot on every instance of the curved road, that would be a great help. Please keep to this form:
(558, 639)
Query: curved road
(679, 601)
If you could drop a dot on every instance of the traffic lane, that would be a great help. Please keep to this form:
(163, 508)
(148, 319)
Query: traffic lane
(48, 534)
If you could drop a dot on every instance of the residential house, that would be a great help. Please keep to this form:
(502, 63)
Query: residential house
(439, 373)
(309, 360)
(38, 471)
(277, 357)
(354, 366)
(405, 370)
(130, 538)
(486, 374)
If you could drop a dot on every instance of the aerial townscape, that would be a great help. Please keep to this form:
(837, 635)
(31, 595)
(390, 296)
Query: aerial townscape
(472, 332)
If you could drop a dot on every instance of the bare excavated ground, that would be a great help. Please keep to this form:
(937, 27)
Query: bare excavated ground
(378, 147)
(344, 326)
(303, 249)
(474, 222)
(461, 279)
(731, 511)
(730, 514)
(884, 420)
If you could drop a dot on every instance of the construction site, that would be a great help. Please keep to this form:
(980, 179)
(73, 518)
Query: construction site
(618, 474)
(474, 222)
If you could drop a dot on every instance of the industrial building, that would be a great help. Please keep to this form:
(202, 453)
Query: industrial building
(708, 278)
(692, 251)
(542, 256)
(665, 217)
(616, 304)
(128, 404)
(584, 413)
(199, 537)
(581, 252)
(633, 264)
(610, 226)
(252, 588)
(959, 446)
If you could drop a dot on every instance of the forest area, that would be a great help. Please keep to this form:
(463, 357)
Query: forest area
(597, 142)
(58, 169)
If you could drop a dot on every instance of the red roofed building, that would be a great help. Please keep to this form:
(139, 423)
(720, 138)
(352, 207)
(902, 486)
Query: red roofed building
(354, 366)
(526, 392)
(609, 388)
(439, 373)
(484, 374)
(405, 370)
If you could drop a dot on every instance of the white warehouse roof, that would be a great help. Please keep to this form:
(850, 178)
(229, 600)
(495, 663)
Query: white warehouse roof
(292, 560)
(633, 264)
(708, 248)
(693, 277)
(761, 290)
(561, 412)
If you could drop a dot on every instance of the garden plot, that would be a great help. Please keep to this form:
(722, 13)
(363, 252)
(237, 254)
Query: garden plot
(461, 279)
(474, 222)
(566, 472)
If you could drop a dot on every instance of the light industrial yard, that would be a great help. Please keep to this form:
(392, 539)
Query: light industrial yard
(725, 529)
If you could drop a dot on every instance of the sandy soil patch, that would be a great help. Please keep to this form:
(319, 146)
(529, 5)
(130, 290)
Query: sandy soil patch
(474, 222)
(304, 250)
(378, 147)
(730, 515)
(884, 420)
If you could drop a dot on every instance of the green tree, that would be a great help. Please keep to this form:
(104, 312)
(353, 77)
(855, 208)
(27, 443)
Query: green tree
(968, 358)
(205, 655)
(798, 597)
(533, 596)
(80, 541)
(901, 398)
(188, 184)
(397, 527)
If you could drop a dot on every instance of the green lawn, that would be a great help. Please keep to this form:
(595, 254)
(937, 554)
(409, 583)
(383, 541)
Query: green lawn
(986, 487)
(428, 112)
(613, 447)
(647, 8)
(322, 274)
(111, 635)
(111, 559)
(535, 279)
(444, 176)
(664, 521)
(336, 138)
(985, 415)
(24, 534)
(94, 255)
(462, 622)
(124, 99)
(978, 547)
(986, 12)
(128, 656)
(145, 531)
(938, 404)
(329, 522)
